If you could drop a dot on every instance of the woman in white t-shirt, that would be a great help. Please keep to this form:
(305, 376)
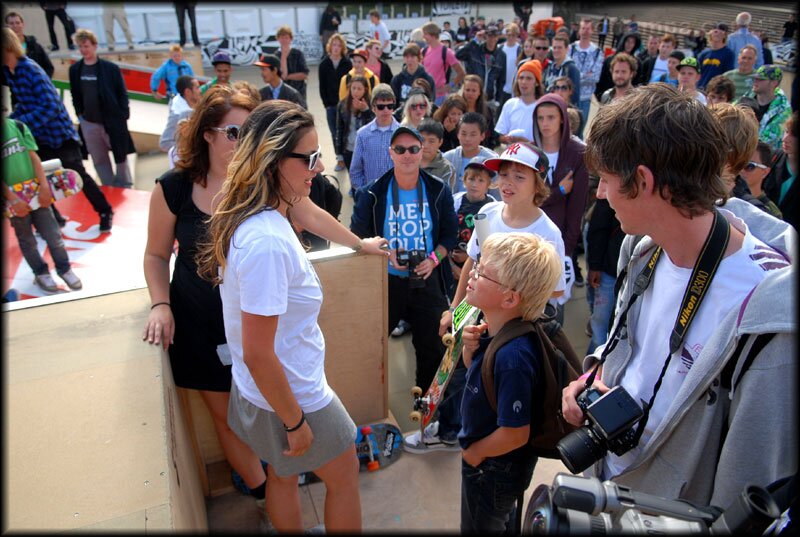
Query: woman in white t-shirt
(281, 403)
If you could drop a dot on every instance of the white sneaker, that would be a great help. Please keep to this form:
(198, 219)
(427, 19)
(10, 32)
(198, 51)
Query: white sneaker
(72, 280)
(401, 328)
(46, 282)
(432, 442)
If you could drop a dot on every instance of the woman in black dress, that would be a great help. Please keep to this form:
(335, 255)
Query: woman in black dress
(186, 315)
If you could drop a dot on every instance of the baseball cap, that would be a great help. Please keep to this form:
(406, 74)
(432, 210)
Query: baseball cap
(689, 62)
(721, 26)
(445, 36)
(478, 162)
(769, 72)
(524, 153)
(360, 52)
(268, 60)
(220, 57)
(678, 54)
(406, 130)
(492, 29)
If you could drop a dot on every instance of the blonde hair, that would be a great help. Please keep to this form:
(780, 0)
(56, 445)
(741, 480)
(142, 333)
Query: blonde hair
(740, 128)
(246, 88)
(83, 34)
(414, 99)
(337, 37)
(253, 184)
(526, 264)
(11, 43)
(175, 48)
(284, 30)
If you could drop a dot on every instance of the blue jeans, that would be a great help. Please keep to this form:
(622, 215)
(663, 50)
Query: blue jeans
(330, 113)
(584, 106)
(450, 408)
(602, 310)
(489, 494)
(47, 227)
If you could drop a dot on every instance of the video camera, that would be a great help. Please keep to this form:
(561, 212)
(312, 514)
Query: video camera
(585, 505)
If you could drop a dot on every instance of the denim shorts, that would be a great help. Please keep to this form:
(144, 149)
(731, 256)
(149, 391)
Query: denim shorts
(333, 428)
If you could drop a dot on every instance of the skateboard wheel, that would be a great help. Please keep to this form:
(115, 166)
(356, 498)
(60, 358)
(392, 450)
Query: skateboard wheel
(416, 391)
(373, 465)
(448, 339)
(366, 430)
(415, 415)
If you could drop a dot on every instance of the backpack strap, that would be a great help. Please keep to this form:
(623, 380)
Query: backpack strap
(759, 342)
(511, 330)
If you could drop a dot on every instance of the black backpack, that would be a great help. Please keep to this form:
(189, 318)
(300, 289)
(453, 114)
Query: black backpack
(448, 69)
(560, 366)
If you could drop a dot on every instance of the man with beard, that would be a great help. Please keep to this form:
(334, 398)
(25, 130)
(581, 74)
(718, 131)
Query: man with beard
(623, 70)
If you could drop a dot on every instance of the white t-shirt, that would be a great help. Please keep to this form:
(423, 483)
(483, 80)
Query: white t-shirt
(542, 226)
(511, 67)
(380, 32)
(552, 160)
(736, 276)
(268, 273)
(661, 67)
(516, 115)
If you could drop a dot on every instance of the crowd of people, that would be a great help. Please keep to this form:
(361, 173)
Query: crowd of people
(483, 121)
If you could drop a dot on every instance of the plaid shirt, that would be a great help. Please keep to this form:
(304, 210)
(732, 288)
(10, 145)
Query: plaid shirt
(38, 104)
(371, 154)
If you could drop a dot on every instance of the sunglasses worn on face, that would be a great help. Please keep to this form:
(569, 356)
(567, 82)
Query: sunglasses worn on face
(231, 131)
(390, 106)
(560, 88)
(753, 165)
(414, 149)
(541, 48)
(311, 159)
(418, 106)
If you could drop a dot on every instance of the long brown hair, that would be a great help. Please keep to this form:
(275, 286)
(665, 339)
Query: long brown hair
(192, 147)
(268, 135)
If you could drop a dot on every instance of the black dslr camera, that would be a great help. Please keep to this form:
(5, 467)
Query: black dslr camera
(611, 418)
(412, 259)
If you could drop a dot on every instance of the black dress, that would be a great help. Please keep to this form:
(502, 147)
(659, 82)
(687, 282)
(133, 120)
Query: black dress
(196, 304)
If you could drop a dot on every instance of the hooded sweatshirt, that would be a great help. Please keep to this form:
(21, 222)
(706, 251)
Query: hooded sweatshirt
(402, 82)
(717, 437)
(606, 81)
(565, 211)
(551, 73)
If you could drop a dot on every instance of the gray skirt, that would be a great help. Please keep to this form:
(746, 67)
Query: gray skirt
(333, 428)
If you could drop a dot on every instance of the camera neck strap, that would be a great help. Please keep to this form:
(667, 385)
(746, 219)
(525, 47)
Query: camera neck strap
(420, 207)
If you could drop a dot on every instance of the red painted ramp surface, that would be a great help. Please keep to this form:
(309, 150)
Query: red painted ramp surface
(105, 262)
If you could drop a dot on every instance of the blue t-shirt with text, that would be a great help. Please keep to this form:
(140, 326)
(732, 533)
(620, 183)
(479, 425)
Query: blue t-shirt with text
(408, 229)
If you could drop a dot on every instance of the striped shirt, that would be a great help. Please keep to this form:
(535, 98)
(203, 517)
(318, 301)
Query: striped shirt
(38, 104)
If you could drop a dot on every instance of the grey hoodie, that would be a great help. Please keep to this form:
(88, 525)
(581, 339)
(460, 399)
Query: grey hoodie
(688, 455)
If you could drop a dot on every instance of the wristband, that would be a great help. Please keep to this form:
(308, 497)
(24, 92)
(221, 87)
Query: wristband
(160, 304)
(358, 246)
(585, 375)
(293, 429)
(433, 257)
(562, 189)
(438, 255)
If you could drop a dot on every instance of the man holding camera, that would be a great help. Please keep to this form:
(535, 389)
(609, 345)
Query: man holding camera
(703, 338)
(415, 212)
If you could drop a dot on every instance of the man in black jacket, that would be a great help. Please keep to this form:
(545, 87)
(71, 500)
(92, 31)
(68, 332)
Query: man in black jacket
(276, 88)
(100, 99)
(30, 46)
(483, 57)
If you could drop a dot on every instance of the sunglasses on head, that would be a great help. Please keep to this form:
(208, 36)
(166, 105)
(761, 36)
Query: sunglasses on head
(311, 159)
(414, 149)
(390, 106)
(750, 166)
(231, 131)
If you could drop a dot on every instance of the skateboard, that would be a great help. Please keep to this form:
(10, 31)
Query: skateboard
(425, 406)
(63, 183)
(377, 446)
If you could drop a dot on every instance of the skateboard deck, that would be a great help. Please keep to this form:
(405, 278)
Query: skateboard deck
(425, 406)
(63, 183)
(377, 446)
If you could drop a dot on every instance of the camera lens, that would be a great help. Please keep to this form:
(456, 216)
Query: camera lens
(580, 449)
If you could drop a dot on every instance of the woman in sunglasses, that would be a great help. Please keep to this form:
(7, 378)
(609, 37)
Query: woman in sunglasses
(281, 403)
(186, 314)
(417, 107)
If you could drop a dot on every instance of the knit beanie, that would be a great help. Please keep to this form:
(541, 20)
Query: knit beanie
(534, 67)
